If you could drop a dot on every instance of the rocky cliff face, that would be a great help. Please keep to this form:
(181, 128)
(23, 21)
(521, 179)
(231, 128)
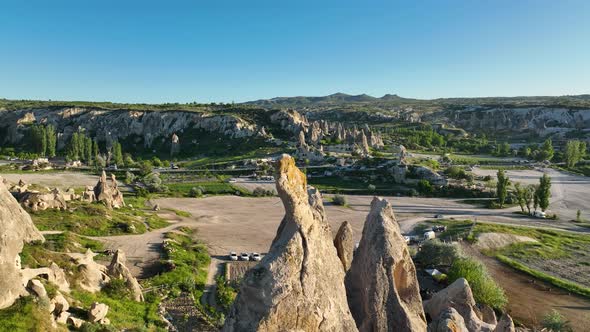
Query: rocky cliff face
(540, 120)
(299, 285)
(110, 125)
(383, 291)
(16, 228)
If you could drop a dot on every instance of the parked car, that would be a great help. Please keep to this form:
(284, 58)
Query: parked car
(439, 228)
(438, 216)
(233, 256)
(255, 257)
(245, 257)
(407, 239)
(540, 214)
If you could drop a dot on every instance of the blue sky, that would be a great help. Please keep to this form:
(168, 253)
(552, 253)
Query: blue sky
(182, 51)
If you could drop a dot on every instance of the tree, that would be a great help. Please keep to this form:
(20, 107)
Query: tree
(424, 187)
(117, 154)
(88, 151)
(502, 187)
(73, 149)
(529, 196)
(520, 195)
(145, 168)
(51, 141)
(546, 152)
(574, 152)
(39, 139)
(544, 192)
(95, 151)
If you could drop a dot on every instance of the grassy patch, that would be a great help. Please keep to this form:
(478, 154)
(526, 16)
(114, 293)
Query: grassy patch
(188, 263)
(567, 285)
(25, 315)
(95, 219)
(207, 188)
(560, 258)
(125, 313)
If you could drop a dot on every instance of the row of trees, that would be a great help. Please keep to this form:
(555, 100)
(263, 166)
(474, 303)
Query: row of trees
(44, 140)
(82, 147)
(536, 196)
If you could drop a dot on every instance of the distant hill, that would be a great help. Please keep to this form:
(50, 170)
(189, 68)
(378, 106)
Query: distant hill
(342, 100)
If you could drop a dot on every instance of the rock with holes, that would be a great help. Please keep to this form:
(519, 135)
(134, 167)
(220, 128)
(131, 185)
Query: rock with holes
(93, 276)
(344, 244)
(383, 291)
(299, 284)
(109, 193)
(448, 321)
(118, 270)
(458, 295)
(59, 304)
(16, 229)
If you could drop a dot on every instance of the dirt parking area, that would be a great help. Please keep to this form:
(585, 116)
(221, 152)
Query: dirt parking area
(62, 180)
(569, 192)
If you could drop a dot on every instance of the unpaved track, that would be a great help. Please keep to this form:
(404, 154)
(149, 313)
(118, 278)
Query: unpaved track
(528, 302)
(62, 180)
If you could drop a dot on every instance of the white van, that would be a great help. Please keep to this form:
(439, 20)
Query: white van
(429, 235)
(540, 214)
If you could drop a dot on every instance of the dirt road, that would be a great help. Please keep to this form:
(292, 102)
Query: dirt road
(62, 180)
(528, 302)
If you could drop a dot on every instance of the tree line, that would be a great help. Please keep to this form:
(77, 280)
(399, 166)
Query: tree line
(535, 196)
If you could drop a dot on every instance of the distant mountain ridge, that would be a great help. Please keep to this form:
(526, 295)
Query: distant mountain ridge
(393, 100)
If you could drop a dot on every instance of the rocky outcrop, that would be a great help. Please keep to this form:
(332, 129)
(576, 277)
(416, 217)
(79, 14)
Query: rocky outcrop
(39, 201)
(383, 291)
(118, 270)
(53, 274)
(448, 321)
(109, 194)
(505, 324)
(344, 244)
(458, 295)
(541, 120)
(16, 229)
(93, 276)
(298, 285)
(97, 312)
(117, 125)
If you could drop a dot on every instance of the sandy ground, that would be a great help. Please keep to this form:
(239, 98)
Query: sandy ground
(528, 302)
(569, 192)
(499, 240)
(62, 180)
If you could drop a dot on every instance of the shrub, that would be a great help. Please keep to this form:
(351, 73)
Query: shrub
(116, 288)
(424, 187)
(371, 187)
(435, 253)
(484, 288)
(339, 200)
(195, 192)
(129, 177)
(260, 192)
(554, 321)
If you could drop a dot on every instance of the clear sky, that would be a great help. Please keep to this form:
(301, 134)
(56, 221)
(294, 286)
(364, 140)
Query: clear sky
(182, 51)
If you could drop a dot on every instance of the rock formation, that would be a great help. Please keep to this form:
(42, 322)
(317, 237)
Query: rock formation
(97, 312)
(448, 321)
(93, 276)
(344, 244)
(16, 229)
(458, 296)
(505, 324)
(38, 201)
(118, 270)
(107, 193)
(298, 285)
(383, 291)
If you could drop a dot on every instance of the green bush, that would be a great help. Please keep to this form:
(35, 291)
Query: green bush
(435, 253)
(424, 187)
(484, 288)
(554, 321)
(339, 200)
